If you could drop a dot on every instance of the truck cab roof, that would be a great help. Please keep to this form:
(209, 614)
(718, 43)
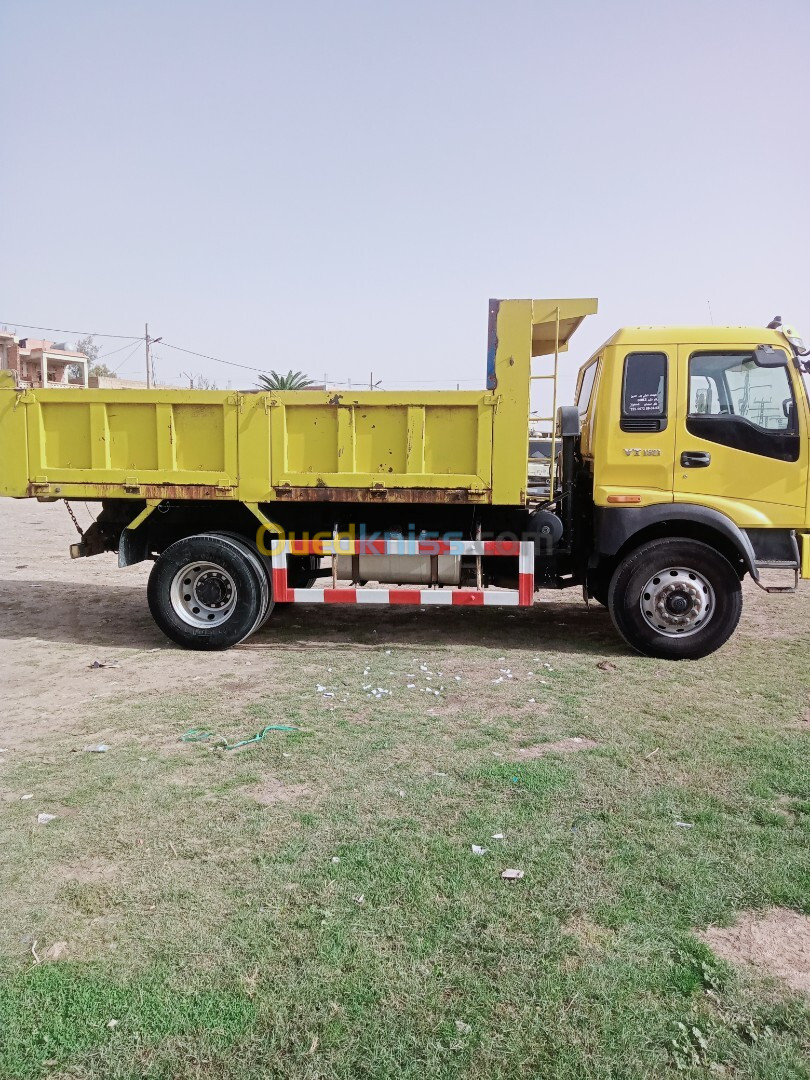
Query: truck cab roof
(694, 335)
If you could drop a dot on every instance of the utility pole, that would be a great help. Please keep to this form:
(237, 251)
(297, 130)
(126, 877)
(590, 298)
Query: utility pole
(148, 358)
(149, 342)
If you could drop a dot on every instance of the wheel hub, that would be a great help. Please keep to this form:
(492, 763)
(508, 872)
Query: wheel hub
(212, 589)
(677, 601)
(203, 594)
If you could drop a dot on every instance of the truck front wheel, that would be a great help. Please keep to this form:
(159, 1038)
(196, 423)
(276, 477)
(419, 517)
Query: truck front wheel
(208, 592)
(675, 599)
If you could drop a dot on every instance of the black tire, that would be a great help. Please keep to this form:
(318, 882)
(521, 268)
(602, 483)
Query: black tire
(225, 565)
(690, 573)
(251, 553)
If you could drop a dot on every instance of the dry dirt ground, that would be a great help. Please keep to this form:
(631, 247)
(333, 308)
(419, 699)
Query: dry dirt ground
(59, 617)
(776, 942)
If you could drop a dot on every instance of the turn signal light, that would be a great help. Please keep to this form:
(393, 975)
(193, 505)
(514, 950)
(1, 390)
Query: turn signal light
(624, 498)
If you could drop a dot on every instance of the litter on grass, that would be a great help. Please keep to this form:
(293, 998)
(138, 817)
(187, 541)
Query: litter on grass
(221, 743)
(43, 819)
(511, 874)
(477, 849)
(99, 748)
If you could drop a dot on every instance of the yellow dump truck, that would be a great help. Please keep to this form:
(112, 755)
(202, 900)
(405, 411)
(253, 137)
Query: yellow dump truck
(681, 467)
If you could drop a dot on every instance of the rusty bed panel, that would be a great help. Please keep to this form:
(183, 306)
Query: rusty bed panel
(323, 493)
(139, 491)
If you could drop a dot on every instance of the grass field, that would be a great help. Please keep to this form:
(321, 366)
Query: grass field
(310, 906)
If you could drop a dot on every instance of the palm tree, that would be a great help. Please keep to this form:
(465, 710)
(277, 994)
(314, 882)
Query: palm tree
(293, 380)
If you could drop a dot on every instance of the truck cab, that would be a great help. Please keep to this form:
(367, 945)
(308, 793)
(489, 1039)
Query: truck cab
(696, 438)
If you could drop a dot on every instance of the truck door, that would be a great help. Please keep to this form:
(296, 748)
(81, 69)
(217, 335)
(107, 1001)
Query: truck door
(741, 439)
(634, 452)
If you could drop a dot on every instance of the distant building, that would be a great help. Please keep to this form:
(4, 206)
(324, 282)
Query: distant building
(112, 382)
(42, 363)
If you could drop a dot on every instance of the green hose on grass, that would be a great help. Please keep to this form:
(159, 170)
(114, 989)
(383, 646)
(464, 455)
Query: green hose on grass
(198, 735)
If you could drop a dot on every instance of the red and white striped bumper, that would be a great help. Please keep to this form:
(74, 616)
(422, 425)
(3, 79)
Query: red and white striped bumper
(523, 549)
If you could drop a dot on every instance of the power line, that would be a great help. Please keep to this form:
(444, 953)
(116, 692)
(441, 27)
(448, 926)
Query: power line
(216, 359)
(112, 352)
(355, 383)
(81, 333)
(129, 356)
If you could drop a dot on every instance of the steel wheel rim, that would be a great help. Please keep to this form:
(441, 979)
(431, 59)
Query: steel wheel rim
(677, 602)
(203, 594)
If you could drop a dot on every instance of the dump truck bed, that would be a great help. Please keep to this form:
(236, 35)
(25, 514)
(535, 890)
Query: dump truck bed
(437, 447)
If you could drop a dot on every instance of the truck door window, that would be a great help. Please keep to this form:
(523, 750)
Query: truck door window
(583, 398)
(644, 392)
(736, 402)
(704, 397)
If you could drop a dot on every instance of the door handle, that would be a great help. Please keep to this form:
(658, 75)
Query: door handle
(695, 459)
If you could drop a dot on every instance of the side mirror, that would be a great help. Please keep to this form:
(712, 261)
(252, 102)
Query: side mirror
(770, 356)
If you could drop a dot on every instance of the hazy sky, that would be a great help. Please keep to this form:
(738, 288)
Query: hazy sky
(340, 187)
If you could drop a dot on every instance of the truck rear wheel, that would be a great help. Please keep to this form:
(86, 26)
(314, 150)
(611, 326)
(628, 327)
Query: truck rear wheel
(208, 591)
(675, 599)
